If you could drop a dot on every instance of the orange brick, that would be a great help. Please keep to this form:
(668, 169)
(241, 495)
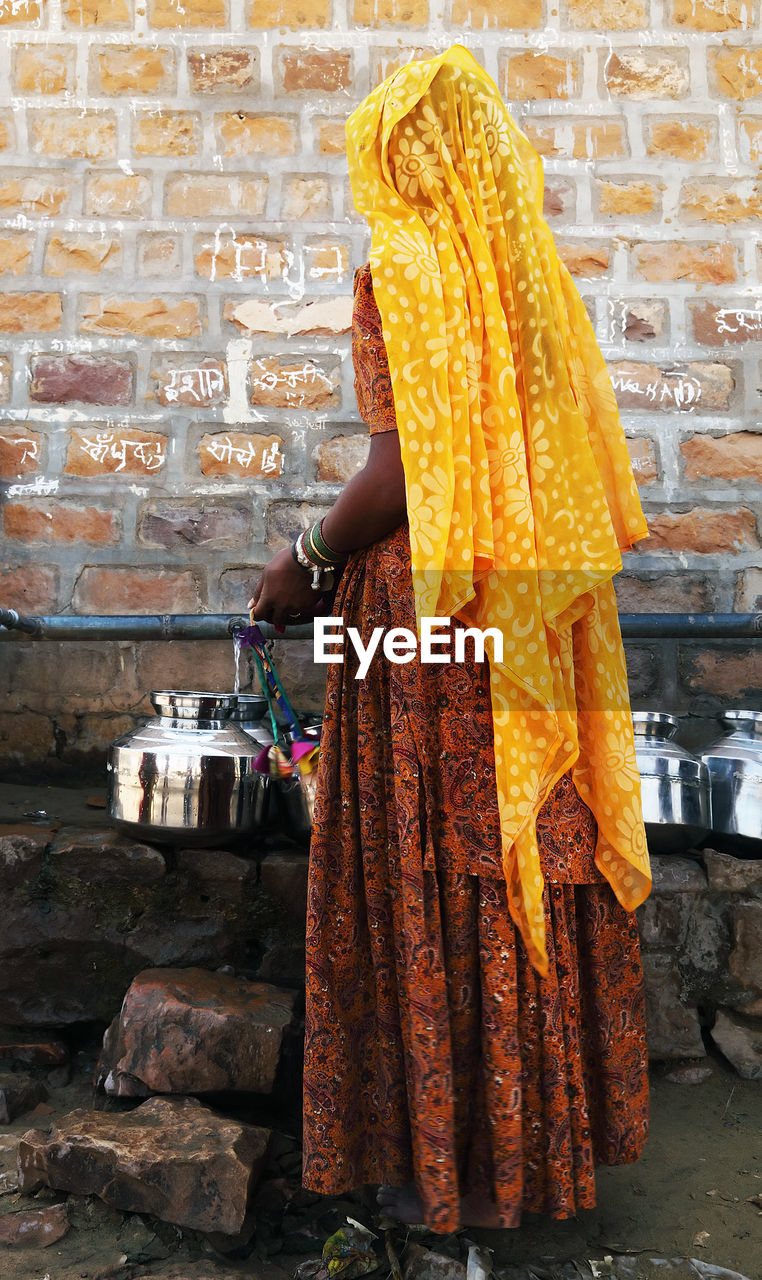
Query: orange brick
(627, 199)
(331, 137)
(94, 13)
(7, 133)
(243, 133)
(327, 260)
(294, 382)
(187, 13)
(198, 382)
(31, 588)
(587, 260)
(643, 459)
(608, 15)
(146, 317)
(737, 456)
(750, 140)
(306, 198)
(704, 530)
(583, 139)
(42, 194)
(167, 133)
(711, 15)
(384, 62)
(701, 263)
(20, 13)
(710, 201)
(119, 589)
(94, 451)
(736, 72)
(303, 71)
(340, 458)
(112, 195)
(240, 454)
(129, 69)
(641, 74)
(642, 321)
(227, 256)
(91, 254)
(209, 195)
(44, 68)
(388, 13)
(30, 312)
(698, 387)
(531, 76)
(60, 522)
(221, 70)
(159, 254)
(738, 321)
(478, 14)
(290, 13)
(70, 135)
(679, 139)
(15, 252)
(22, 451)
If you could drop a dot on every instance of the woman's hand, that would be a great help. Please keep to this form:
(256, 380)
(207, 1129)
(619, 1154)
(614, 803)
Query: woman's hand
(283, 594)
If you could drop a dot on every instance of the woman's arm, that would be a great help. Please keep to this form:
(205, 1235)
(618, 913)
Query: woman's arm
(371, 505)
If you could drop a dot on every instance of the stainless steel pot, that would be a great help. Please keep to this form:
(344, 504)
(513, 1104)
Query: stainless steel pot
(734, 764)
(187, 776)
(674, 785)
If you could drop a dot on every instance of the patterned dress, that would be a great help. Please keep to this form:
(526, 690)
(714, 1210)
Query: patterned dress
(434, 1051)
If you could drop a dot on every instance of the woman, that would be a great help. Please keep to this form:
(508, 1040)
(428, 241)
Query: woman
(475, 1034)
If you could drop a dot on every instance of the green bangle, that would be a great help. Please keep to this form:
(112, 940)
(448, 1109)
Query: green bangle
(314, 551)
(321, 545)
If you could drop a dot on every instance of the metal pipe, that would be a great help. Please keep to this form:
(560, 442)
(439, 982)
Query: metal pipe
(214, 626)
(167, 626)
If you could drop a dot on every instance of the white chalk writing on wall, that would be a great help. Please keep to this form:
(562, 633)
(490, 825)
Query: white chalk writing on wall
(293, 378)
(681, 391)
(107, 446)
(268, 460)
(30, 449)
(201, 385)
(742, 320)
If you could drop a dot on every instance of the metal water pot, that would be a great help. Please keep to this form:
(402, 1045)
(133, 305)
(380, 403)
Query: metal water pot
(674, 785)
(187, 776)
(734, 763)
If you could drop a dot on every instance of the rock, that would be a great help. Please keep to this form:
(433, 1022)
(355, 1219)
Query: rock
(673, 1028)
(741, 1043)
(732, 875)
(107, 908)
(216, 867)
(22, 1048)
(192, 1031)
(22, 847)
(424, 1264)
(690, 1073)
(677, 875)
(18, 1093)
(34, 1228)
(100, 855)
(284, 877)
(745, 961)
(170, 1157)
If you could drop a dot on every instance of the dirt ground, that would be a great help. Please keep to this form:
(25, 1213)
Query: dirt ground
(702, 1164)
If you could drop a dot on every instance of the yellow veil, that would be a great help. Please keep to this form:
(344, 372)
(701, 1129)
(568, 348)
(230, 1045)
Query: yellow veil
(519, 486)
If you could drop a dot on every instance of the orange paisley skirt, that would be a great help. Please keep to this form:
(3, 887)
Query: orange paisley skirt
(434, 1051)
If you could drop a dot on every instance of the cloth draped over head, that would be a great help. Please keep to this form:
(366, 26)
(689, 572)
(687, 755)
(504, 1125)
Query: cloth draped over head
(520, 490)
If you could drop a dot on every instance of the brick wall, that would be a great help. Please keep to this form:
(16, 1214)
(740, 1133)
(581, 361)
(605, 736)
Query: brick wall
(177, 243)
